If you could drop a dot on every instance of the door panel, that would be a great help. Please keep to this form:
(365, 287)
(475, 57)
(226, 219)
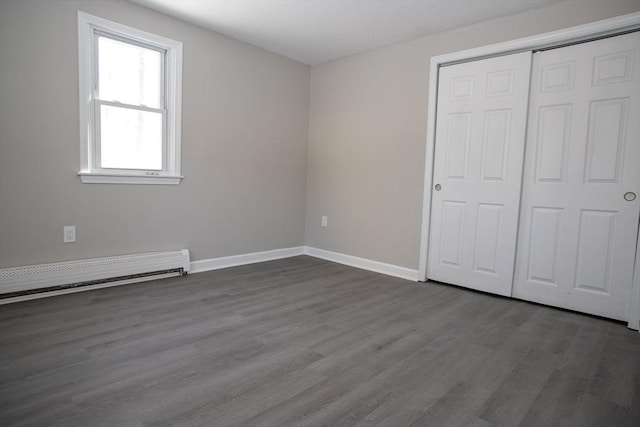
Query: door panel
(577, 238)
(486, 239)
(544, 251)
(459, 133)
(495, 143)
(480, 132)
(453, 228)
(593, 271)
(553, 143)
(605, 142)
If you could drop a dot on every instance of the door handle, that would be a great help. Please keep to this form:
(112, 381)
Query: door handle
(630, 196)
(438, 187)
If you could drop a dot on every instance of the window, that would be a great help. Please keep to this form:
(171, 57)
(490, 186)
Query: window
(130, 98)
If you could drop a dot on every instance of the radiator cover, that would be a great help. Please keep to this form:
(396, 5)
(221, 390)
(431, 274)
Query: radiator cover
(30, 277)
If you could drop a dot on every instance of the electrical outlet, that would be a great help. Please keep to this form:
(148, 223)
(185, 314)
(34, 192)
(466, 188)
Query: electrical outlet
(325, 221)
(69, 233)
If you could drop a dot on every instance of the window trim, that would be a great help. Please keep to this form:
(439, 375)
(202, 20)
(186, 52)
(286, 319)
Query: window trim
(89, 173)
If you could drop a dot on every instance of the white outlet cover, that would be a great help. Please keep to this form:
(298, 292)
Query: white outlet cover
(69, 234)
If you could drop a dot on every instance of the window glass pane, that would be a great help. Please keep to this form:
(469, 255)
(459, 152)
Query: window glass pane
(130, 139)
(128, 73)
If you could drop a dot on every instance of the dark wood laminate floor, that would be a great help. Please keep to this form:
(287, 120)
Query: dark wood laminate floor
(303, 341)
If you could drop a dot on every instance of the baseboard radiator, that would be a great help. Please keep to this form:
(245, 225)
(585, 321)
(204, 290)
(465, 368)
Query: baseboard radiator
(18, 282)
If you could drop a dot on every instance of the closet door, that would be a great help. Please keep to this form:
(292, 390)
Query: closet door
(479, 145)
(579, 215)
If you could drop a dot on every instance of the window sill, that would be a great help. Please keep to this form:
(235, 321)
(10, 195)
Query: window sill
(96, 178)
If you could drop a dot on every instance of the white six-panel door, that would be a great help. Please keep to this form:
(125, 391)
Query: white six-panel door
(480, 134)
(578, 232)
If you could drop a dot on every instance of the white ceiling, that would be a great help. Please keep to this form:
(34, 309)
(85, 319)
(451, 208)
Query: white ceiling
(316, 31)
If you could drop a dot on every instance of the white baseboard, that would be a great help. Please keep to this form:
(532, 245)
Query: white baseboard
(365, 264)
(250, 258)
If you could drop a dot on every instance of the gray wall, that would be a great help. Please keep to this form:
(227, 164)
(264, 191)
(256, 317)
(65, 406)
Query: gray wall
(367, 133)
(244, 145)
(247, 115)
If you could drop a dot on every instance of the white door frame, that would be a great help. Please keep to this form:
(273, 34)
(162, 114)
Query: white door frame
(579, 33)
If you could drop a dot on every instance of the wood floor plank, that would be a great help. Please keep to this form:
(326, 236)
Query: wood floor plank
(306, 342)
(558, 401)
(448, 411)
(508, 405)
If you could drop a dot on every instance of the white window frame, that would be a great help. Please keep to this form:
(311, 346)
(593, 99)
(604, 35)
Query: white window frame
(90, 171)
